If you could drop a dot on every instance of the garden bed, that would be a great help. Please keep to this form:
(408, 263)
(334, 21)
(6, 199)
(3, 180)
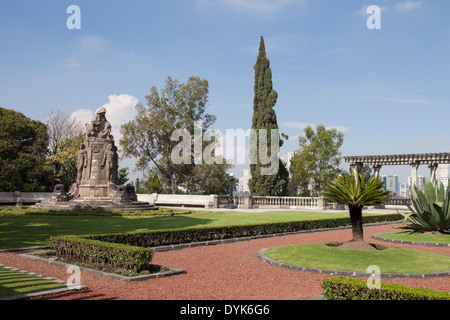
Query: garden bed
(412, 238)
(154, 271)
(328, 258)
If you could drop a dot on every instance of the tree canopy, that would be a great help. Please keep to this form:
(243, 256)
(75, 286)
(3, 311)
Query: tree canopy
(177, 112)
(267, 179)
(317, 161)
(23, 148)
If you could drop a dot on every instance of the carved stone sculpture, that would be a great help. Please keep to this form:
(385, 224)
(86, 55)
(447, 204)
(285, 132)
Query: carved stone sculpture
(99, 126)
(97, 181)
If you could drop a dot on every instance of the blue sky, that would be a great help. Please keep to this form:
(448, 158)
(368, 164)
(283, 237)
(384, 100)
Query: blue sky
(387, 89)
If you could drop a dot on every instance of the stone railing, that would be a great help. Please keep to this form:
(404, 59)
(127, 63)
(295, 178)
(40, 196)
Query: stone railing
(398, 201)
(183, 200)
(205, 201)
(286, 202)
(257, 202)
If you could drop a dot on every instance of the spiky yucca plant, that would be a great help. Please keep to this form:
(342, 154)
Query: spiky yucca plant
(430, 210)
(356, 192)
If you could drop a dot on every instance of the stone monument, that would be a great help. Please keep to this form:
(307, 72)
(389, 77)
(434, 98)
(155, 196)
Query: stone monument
(97, 184)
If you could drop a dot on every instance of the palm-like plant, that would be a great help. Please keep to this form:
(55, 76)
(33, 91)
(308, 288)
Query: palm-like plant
(356, 192)
(430, 210)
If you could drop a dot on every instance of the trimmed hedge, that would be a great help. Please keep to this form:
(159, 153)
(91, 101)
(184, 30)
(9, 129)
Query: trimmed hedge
(132, 250)
(94, 251)
(340, 288)
(160, 211)
(165, 237)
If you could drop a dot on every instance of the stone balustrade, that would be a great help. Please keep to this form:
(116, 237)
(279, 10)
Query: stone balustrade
(184, 200)
(205, 201)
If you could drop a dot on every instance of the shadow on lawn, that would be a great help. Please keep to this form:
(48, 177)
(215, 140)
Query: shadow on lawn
(29, 231)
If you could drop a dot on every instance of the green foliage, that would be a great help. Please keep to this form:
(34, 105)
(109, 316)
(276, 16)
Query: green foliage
(264, 117)
(154, 184)
(65, 159)
(16, 180)
(209, 179)
(356, 191)
(93, 251)
(341, 288)
(148, 136)
(430, 210)
(317, 161)
(164, 237)
(23, 148)
(123, 176)
(161, 211)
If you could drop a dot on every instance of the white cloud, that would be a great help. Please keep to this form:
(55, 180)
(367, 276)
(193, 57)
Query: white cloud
(258, 7)
(363, 11)
(93, 43)
(398, 100)
(70, 64)
(119, 110)
(408, 6)
(303, 125)
(82, 115)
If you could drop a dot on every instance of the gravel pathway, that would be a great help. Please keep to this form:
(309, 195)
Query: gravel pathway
(221, 272)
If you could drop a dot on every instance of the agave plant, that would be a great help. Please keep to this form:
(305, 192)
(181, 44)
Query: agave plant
(356, 192)
(430, 210)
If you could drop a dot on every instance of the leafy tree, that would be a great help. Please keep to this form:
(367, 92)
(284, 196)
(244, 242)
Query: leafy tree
(149, 136)
(356, 192)
(60, 127)
(16, 180)
(317, 161)
(23, 147)
(154, 184)
(65, 159)
(264, 118)
(209, 179)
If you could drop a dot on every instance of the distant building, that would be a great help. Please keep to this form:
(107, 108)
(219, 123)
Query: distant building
(391, 184)
(421, 182)
(404, 190)
(442, 174)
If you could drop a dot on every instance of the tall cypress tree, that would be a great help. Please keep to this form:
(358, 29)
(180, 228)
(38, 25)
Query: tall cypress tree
(264, 117)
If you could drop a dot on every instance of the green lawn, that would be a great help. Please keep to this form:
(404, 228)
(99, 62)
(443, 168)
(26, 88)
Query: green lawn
(14, 283)
(391, 260)
(17, 231)
(416, 236)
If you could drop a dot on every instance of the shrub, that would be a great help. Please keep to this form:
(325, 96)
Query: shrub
(430, 210)
(156, 238)
(132, 250)
(340, 288)
(95, 251)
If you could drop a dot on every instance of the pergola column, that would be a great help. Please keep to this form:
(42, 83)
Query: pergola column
(376, 170)
(433, 168)
(356, 167)
(414, 172)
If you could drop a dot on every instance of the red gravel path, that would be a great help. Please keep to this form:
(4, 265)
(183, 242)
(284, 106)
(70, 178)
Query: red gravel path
(227, 271)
